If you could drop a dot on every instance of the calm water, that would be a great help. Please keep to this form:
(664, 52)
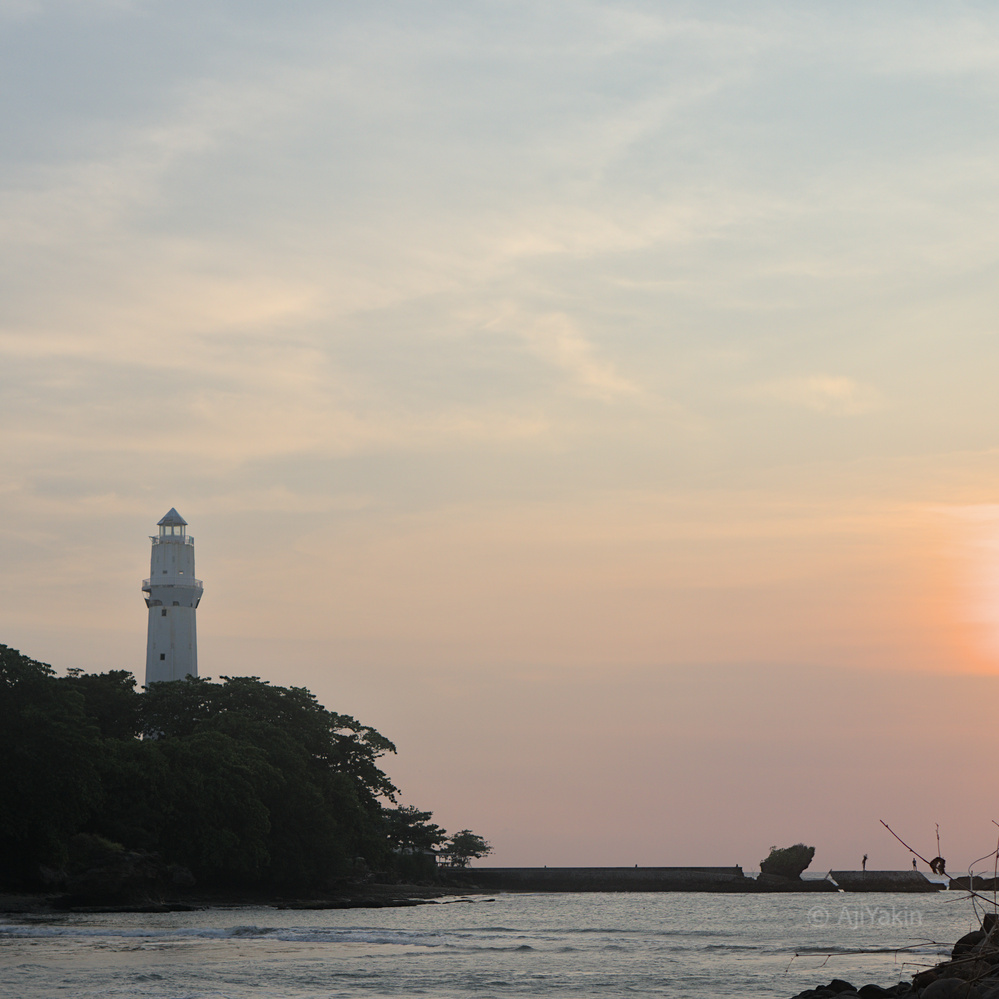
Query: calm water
(692, 945)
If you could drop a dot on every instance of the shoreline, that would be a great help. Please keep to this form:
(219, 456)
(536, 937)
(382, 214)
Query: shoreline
(367, 896)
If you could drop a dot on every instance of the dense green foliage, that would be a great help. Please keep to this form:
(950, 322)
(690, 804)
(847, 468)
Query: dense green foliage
(789, 861)
(463, 846)
(241, 782)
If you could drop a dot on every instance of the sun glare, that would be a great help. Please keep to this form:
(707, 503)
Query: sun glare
(975, 547)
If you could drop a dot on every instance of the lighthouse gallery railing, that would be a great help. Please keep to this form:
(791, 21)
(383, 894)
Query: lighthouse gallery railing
(173, 581)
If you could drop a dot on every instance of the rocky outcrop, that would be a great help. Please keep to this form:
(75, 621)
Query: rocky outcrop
(788, 862)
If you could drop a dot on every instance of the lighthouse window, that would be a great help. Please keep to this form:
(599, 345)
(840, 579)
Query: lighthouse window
(163, 612)
(176, 603)
(162, 655)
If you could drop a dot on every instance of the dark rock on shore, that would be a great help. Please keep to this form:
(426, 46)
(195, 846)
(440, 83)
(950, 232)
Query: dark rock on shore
(972, 972)
(950, 988)
(844, 990)
(370, 895)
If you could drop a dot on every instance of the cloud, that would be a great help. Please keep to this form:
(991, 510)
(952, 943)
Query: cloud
(836, 396)
(555, 339)
(930, 42)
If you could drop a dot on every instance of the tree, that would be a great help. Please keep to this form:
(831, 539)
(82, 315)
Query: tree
(325, 809)
(109, 699)
(183, 707)
(49, 781)
(409, 829)
(463, 846)
(243, 782)
(215, 817)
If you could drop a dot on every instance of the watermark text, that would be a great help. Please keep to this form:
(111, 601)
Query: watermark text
(860, 917)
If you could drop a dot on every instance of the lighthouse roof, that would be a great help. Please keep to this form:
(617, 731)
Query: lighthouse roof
(172, 519)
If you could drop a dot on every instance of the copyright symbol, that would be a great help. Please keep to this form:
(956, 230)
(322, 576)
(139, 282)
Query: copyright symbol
(818, 915)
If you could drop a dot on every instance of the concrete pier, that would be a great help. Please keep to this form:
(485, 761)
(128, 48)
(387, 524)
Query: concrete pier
(702, 879)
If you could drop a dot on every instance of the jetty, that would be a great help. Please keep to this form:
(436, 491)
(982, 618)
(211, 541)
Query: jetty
(610, 878)
(883, 881)
(700, 879)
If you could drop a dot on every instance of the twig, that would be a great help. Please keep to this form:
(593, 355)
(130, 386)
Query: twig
(903, 842)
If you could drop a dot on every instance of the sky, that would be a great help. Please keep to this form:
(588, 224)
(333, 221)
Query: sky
(596, 398)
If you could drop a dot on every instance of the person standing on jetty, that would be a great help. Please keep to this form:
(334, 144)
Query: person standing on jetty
(863, 863)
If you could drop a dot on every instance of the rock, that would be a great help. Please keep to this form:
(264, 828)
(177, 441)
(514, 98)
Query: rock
(967, 942)
(788, 862)
(874, 992)
(973, 971)
(923, 978)
(838, 985)
(950, 988)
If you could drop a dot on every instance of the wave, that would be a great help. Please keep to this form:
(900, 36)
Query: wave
(289, 934)
(620, 931)
(900, 949)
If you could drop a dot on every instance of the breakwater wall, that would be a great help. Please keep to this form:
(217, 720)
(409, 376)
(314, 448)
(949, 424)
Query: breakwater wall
(883, 881)
(706, 879)
(610, 878)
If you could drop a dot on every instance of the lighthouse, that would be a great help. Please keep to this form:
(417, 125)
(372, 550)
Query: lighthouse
(172, 596)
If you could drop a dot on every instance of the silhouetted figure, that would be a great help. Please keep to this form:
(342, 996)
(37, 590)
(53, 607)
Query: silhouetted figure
(914, 863)
(863, 863)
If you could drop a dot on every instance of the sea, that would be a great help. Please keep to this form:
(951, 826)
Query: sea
(526, 945)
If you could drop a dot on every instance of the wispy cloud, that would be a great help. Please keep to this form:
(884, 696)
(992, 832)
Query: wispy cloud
(837, 396)
(555, 339)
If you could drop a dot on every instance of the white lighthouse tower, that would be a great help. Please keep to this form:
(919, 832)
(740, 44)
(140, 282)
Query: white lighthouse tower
(172, 595)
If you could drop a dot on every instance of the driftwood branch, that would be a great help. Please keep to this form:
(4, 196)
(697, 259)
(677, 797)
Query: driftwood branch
(903, 842)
